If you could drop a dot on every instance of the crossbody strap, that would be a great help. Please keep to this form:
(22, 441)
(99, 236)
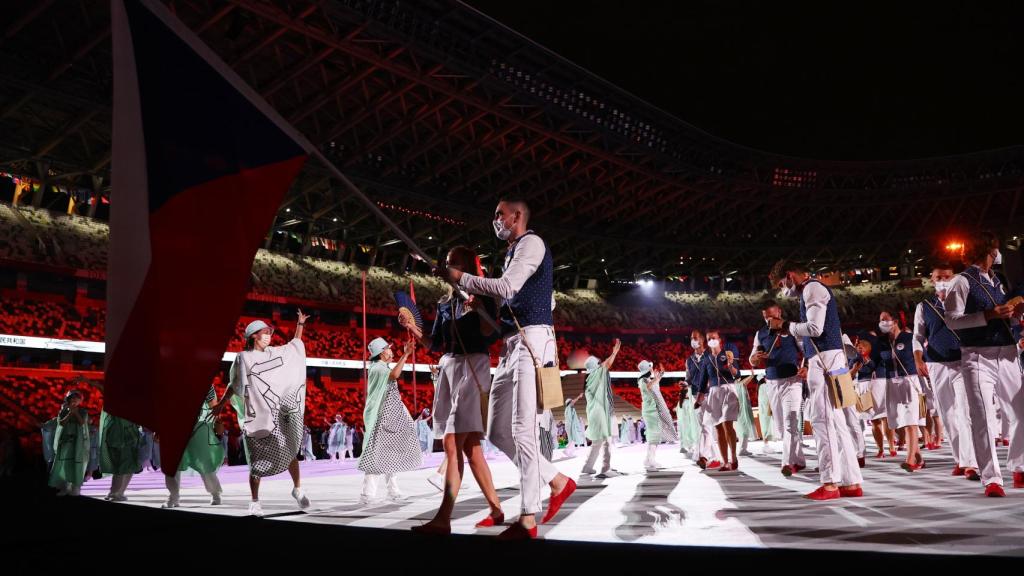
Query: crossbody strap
(943, 318)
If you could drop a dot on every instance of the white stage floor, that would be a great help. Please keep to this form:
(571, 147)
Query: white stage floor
(929, 511)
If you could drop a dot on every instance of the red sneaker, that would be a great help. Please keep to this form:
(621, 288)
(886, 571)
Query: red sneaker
(860, 461)
(787, 470)
(557, 500)
(972, 474)
(714, 464)
(847, 492)
(517, 532)
(822, 494)
(958, 471)
(491, 521)
(994, 490)
(892, 452)
(1018, 479)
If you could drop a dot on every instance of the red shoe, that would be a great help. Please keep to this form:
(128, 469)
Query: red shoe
(703, 463)
(797, 468)
(892, 452)
(1018, 479)
(787, 470)
(714, 464)
(911, 467)
(860, 461)
(972, 474)
(555, 504)
(517, 532)
(880, 455)
(822, 494)
(847, 492)
(923, 464)
(994, 490)
(1006, 442)
(958, 471)
(491, 521)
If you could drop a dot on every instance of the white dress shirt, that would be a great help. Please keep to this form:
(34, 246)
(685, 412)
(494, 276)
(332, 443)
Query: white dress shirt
(920, 328)
(816, 298)
(956, 303)
(528, 256)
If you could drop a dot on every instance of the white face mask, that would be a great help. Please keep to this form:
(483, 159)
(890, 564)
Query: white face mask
(713, 343)
(695, 344)
(885, 326)
(999, 258)
(265, 339)
(500, 230)
(941, 288)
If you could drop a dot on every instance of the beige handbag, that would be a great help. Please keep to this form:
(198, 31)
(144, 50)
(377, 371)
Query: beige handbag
(549, 379)
(841, 390)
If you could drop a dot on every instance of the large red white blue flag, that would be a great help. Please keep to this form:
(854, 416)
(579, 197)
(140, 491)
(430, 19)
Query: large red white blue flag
(200, 166)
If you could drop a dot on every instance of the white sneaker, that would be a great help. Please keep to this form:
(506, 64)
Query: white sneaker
(172, 502)
(300, 498)
(255, 509)
(215, 500)
(437, 481)
(365, 500)
(396, 496)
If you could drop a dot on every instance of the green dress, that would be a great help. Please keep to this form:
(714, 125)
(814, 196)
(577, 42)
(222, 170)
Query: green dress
(764, 412)
(689, 428)
(745, 421)
(599, 406)
(649, 409)
(71, 453)
(377, 379)
(119, 445)
(573, 426)
(204, 452)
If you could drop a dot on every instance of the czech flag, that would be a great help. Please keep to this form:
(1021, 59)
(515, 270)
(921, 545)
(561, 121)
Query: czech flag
(200, 166)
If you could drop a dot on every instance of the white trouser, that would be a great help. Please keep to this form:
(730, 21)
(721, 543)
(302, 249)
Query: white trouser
(769, 391)
(606, 463)
(210, 481)
(371, 482)
(707, 442)
(119, 483)
(994, 371)
(837, 456)
(786, 417)
(512, 418)
(856, 427)
(951, 401)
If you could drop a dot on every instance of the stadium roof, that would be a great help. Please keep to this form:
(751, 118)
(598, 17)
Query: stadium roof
(437, 110)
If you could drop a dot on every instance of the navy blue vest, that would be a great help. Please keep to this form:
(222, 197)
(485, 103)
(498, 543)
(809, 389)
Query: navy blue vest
(832, 333)
(866, 370)
(695, 373)
(997, 331)
(532, 304)
(784, 356)
(943, 343)
(903, 363)
(716, 370)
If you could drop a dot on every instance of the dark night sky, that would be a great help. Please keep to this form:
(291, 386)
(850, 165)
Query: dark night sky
(845, 81)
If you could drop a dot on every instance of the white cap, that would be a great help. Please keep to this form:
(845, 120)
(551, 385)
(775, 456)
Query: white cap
(645, 366)
(592, 363)
(254, 327)
(377, 345)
